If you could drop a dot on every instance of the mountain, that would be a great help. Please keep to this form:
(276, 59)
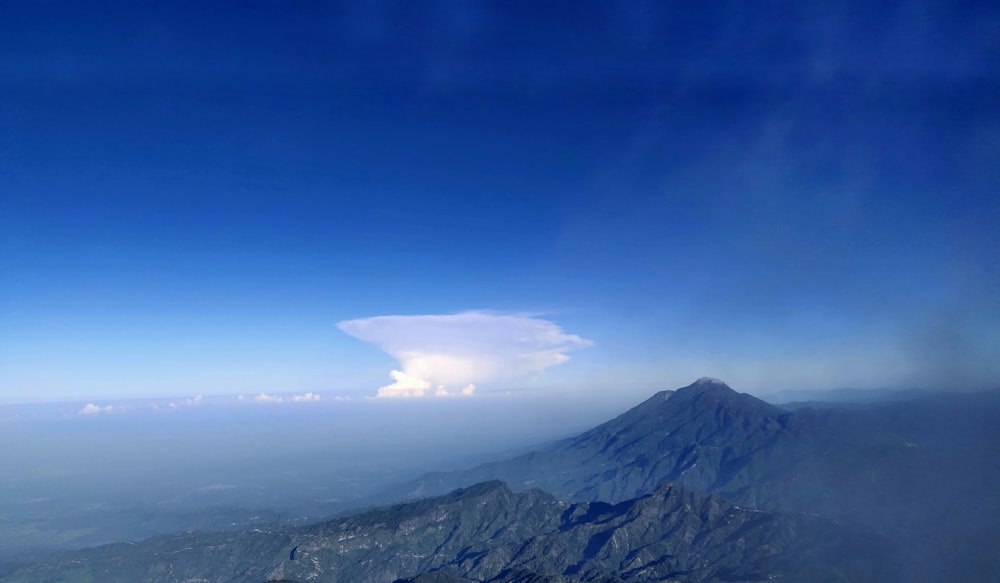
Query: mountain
(697, 436)
(489, 533)
(698, 484)
(709, 438)
(925, 471)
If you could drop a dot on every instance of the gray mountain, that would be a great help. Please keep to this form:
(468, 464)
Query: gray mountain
(489, 533)
(700, 436)
(866, 466)
(925, 471)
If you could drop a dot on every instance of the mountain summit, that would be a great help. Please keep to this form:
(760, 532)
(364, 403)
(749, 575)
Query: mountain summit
(707, 395)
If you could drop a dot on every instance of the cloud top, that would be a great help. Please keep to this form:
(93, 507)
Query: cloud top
(437, 352)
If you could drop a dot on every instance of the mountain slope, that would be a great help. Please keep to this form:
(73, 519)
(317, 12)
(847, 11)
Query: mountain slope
(489, 533)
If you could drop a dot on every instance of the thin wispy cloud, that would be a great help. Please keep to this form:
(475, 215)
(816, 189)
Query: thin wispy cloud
(449, 354)
(308, 397)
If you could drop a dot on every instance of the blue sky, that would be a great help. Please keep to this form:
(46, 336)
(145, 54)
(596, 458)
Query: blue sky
(195, 196)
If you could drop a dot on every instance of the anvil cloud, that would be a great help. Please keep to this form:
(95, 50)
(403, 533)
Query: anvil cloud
(449, 354)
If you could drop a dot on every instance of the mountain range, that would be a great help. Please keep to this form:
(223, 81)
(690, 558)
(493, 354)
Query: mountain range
(489, 533)
(697, 484)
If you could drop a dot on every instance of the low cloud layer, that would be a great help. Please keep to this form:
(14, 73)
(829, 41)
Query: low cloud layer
(309, 397)
(265, 398)
(449, 354)
(92, 409)
(305, 398)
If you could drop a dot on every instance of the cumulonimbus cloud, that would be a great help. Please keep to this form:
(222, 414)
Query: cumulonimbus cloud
(438, 352)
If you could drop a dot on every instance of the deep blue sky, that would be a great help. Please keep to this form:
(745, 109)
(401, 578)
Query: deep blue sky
(785, 195)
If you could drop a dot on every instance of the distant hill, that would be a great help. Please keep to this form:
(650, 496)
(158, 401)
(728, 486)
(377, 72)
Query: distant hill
(489, 533)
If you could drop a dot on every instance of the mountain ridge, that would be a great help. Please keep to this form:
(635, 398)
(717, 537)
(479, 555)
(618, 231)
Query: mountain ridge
(488, 532)
(920, 470)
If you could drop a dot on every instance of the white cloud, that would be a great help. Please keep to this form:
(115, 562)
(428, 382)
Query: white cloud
(305, 397)
(404, 386)
(92, 409)
(461, 349)
(265, 398)
(309, 397)
(193, 401)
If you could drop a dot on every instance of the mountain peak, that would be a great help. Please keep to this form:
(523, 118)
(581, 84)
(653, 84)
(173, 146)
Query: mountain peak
(708, 396)
(707, 385)
(710, 381)
(658, 404)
